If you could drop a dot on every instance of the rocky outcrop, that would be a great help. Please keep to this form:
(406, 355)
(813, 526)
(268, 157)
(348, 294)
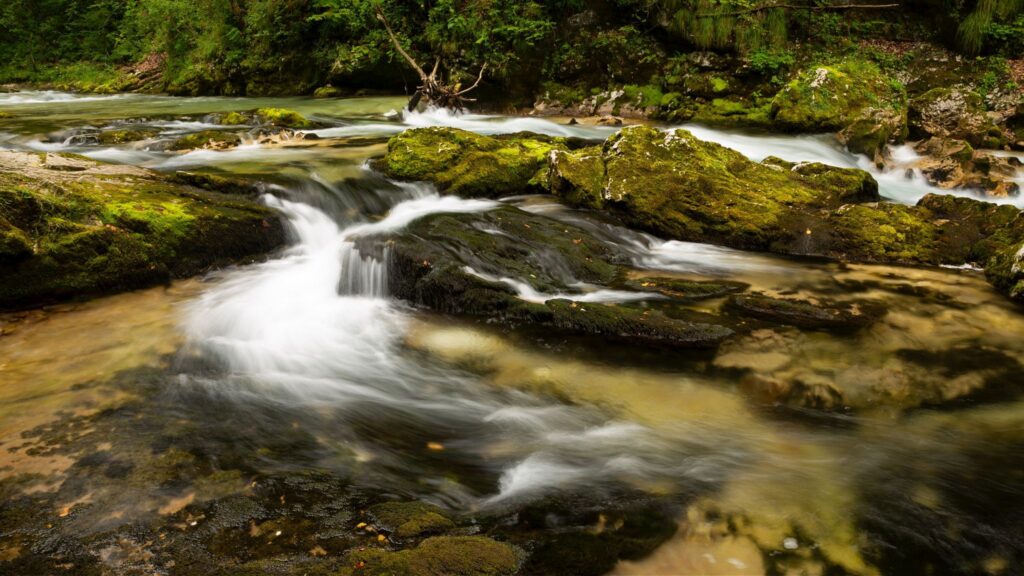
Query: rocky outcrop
(954, 164)
(514, 267)
(72, 227)
(957, 113)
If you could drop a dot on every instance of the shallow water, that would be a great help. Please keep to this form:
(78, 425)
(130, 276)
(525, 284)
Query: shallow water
(158, 406)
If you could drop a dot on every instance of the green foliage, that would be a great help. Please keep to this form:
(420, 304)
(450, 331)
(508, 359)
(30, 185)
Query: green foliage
(977, 27)
(771, 64)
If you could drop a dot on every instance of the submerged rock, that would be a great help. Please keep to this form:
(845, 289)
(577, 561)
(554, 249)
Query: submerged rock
(73, 227)
(823, 315)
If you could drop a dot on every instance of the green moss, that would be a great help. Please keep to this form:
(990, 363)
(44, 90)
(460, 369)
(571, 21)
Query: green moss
(680, 187)
(411, 519)
(215, 139)
(578, 176)
(440, 556)
(733, 112)
(633, 325)
(283, 117)
(831, 97)
(468, 164)
(98, 230)
(327, 92)
(111, 137)
(886, 233)
(234, 119)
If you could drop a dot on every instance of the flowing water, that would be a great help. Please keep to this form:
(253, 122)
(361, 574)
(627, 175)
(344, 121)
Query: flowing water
(165, 406)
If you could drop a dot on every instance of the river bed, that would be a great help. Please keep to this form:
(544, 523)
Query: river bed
(156, 430)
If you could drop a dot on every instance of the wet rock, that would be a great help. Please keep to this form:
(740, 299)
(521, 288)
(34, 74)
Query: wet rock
(283, 118)
(327, 91)
(823, 315)
(470, 264)
(685, 289)
(122, 136)
(410, 519)
(950, 163)
(439, 556)
(955, 112)
(207, 139)
(873, 129)
(104, 228)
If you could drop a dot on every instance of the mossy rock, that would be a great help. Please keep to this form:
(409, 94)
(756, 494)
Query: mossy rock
(831, 97)
(206, 139)
(439, 556)
(410, 519)
(733, 112)
(327, 92)
(822, 315)
(681, 289)
(234, 119)
(96, 228)
(283, 118)
(677, 186)
(111, 137)
(468, 164)
(634, 325)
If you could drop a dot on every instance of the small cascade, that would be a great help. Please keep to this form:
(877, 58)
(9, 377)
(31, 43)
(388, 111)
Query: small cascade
(362, 275)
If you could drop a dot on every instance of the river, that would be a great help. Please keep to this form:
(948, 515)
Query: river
(131, 417)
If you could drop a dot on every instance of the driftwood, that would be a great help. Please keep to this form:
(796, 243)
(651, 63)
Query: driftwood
(432, 91)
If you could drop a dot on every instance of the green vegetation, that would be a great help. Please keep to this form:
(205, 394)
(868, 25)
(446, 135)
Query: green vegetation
(287, 46)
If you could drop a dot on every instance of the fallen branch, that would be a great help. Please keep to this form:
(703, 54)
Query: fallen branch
(431, 88)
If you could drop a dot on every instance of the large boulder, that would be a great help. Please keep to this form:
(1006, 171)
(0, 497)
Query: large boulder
(955, 112)
(469, 164)
(834, 97)
(672, 184)
(73, 227)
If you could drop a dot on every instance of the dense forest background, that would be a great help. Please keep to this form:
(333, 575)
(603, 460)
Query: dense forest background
(294, 46)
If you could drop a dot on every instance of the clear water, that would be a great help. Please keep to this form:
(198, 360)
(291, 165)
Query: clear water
(305, 364)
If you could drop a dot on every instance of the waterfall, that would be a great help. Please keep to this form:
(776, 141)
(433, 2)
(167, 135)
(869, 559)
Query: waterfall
(362, 275)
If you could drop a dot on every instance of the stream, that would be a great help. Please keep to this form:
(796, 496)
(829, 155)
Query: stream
(300, 387)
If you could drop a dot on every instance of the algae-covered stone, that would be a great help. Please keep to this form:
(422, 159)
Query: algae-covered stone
(283, 118)
(680, 187)
(439, 556)
(829, 98)
(111, 137)
(96, 228)
(410, 519)
(208, 139)
(234, 119)
(327, 91)
(620, 322)
(468, 164)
